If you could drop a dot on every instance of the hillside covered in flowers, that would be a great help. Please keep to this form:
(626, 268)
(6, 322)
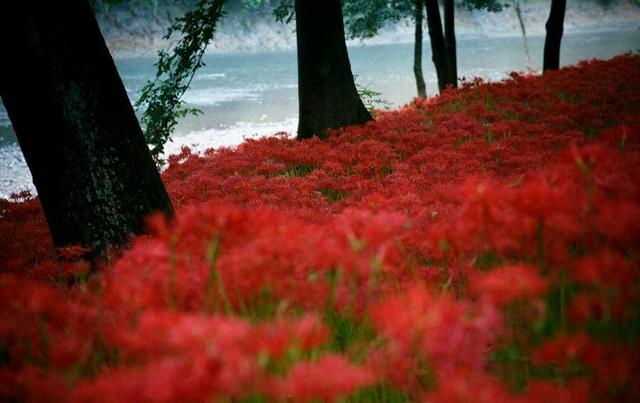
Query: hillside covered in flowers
(481, 246)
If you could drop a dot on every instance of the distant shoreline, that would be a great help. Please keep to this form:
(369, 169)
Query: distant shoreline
(139, 32)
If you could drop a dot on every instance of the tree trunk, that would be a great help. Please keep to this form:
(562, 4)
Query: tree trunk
(417, 50)
(74, 123)
(328, 98)
(555, 28)
(525, 42)
(438, 49)
(450, 43)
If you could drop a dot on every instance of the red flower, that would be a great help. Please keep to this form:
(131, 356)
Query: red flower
(328, 379)
(508, 283)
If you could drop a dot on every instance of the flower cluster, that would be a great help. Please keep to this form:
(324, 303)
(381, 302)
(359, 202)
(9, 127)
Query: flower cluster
(479, 246)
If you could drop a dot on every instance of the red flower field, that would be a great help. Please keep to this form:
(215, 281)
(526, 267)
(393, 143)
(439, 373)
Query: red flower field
(481, 246)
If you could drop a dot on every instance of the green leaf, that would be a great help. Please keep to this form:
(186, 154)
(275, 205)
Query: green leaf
(161, 99)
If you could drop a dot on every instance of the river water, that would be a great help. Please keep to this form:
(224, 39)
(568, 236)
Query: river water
(246, 95)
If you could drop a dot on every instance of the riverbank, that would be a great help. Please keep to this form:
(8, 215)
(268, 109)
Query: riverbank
(130, 31)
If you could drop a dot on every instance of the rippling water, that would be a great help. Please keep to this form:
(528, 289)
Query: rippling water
(248, 94)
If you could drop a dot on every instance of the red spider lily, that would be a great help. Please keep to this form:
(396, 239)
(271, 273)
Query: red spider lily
(401, 258)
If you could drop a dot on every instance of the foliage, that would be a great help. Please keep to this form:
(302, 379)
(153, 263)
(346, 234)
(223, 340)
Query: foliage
(231, 6)
(161, 99)
(284, 11)
(105, 6)
(364, 18)
(489, 5)
(99, 5)
(249, 6)
(473, 247)
(371, 99)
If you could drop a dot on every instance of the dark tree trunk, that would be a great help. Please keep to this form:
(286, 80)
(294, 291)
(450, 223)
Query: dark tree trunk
(76, 128)
(438, 49)
(417, 50)
(327, 93)
(450, 43)
(555, 28)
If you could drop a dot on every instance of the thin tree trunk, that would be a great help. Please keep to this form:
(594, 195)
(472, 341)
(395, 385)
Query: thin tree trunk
(525, 42)
(417, 50)
(93, 172)
(328, 98)
(438, 50)
(450, 43)
(555, 29)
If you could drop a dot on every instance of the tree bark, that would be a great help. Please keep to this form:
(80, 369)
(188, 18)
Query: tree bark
(417, 50)
(328, 98)
(79, 135)
(523, 30)
(555, 29)
(438, 49)
(450, 43)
